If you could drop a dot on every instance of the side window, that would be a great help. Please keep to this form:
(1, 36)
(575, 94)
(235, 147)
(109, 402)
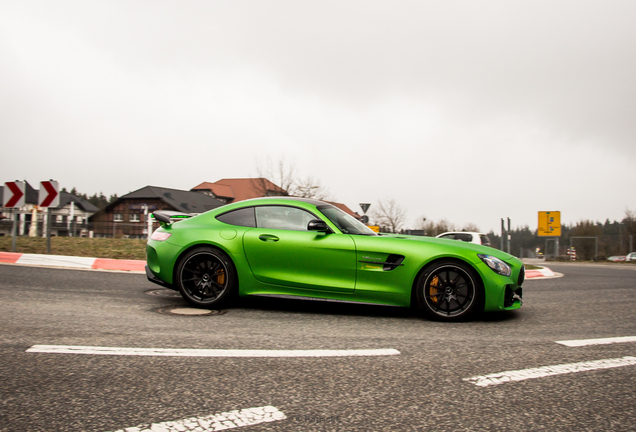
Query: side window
(448, 236)
(464, 237)
(485, 240)
(241, 217)
(282, 217)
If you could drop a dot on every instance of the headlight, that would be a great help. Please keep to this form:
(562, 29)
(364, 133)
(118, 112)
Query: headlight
(497, 265)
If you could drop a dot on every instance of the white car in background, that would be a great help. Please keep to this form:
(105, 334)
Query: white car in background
(467, 236)
(631, 257)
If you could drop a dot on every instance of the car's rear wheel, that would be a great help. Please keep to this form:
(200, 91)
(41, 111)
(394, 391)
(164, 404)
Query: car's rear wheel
(449, 291)
(206, 277)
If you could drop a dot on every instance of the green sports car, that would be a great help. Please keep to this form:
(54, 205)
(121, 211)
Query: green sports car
(305, 248)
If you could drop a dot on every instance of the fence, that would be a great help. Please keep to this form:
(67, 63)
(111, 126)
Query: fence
(586, 247)
(82, 229)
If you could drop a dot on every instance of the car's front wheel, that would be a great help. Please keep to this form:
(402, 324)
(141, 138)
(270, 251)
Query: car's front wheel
(449, 291)
(206, 277)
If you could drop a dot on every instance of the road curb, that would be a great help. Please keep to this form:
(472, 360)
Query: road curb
(542, 273)
(137, 266)
(85, 263)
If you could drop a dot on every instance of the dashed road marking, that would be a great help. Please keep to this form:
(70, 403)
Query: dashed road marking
(540, 372)
(68, 349)
(214, 422)
(603, 341)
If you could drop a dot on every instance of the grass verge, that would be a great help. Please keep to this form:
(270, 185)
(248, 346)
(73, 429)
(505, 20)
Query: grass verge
(132, 249)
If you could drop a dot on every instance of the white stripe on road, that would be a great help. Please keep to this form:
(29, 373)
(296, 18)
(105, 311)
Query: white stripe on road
(540, 372)
(67, 349)
(604, 341)
(214, 422)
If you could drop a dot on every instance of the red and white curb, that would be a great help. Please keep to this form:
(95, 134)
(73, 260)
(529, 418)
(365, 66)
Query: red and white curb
(72, 262)
(138, 265)
(541, 273)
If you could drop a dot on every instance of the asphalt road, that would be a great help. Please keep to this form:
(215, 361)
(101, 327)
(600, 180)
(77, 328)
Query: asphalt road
(426, 387)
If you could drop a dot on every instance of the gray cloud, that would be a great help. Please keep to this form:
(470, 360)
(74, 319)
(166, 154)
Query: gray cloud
(465, 110)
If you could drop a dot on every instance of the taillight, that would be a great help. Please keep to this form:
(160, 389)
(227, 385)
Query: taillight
(160, 236)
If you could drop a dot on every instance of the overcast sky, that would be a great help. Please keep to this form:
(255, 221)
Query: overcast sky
(462, 110)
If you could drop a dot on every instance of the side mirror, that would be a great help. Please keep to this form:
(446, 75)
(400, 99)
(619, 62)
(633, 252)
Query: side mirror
(318, 225)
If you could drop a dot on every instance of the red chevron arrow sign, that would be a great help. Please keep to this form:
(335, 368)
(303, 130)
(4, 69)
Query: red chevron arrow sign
(49, 195)
(13, 194)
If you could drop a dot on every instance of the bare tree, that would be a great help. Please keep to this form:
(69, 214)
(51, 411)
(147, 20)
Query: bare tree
(470, 227)
(433, 228)
(284, 175)
(310, 188)
(280, 173)
(585, 249)
(630, 221)
(390, 215)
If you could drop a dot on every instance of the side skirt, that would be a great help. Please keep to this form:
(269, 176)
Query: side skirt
(297, 297)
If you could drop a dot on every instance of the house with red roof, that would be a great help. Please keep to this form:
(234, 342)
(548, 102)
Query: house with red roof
(240, 189)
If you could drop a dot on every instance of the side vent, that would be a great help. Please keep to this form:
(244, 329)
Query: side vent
(393, 262)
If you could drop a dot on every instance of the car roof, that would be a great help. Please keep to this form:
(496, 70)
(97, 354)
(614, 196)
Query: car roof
(289, 198)
(273, 200)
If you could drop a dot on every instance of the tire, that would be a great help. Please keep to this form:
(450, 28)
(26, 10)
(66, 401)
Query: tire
(449, 291)
(206, 277)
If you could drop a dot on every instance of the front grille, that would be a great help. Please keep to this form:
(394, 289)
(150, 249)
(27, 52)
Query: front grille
(511, 296)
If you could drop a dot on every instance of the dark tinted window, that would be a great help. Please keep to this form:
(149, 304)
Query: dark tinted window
(485, 240)
(464, 237)
(345, 223)
(241, 217)
(283, 217)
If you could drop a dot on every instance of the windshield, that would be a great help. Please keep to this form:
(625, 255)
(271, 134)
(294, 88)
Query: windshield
(345, 223)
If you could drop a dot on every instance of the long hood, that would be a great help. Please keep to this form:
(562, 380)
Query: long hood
(480, 249)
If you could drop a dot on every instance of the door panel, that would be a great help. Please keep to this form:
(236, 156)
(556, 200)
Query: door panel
(302, 259)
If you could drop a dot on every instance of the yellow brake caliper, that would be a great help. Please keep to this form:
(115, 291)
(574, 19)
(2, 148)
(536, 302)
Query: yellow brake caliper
(432, 288)
(220, 277)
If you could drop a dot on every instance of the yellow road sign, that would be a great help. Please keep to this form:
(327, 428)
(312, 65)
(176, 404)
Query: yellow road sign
(549, 224)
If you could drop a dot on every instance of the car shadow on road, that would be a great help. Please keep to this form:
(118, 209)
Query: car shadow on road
(319, 307)
(300, 305)
(500, 316)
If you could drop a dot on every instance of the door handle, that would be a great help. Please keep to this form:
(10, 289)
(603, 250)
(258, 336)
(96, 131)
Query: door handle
(268, 237)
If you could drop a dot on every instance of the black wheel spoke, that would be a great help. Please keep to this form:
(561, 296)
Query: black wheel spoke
(204, 278)
(449, 291)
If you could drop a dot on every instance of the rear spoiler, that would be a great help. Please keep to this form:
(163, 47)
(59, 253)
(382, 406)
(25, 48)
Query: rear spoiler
(166, 217)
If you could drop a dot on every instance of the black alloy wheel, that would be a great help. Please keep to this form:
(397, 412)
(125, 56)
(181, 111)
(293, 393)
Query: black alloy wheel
(449, 291)
(206, 277)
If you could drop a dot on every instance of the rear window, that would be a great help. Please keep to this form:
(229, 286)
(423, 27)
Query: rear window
(241, 217)
(485, 240)
(458, 236)
(464, 237)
